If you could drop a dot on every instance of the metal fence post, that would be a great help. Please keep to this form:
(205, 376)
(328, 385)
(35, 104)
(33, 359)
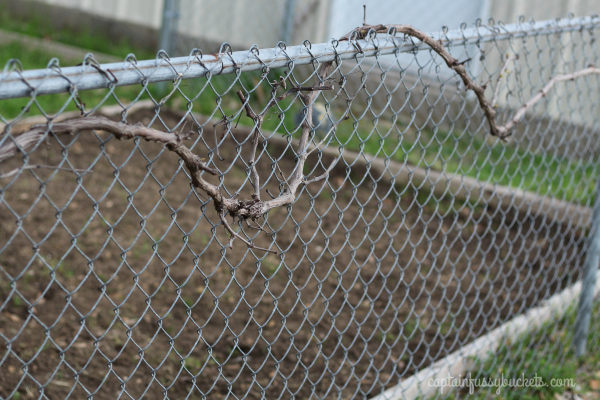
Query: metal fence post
(169, 26)
(590, 268)
(288, 21)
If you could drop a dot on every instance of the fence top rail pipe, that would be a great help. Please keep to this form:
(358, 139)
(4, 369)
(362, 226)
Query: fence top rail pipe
(15, 83)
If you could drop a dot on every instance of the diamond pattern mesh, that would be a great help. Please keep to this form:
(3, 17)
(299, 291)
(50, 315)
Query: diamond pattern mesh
(117, 279)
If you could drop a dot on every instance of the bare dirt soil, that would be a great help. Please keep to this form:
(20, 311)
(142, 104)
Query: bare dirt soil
(121, 280)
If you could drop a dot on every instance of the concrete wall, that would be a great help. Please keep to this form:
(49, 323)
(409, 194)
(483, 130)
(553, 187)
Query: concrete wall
(243, 23)
(203, 24)
(71, 15)
(142, 12)
(509, 10)
(208, 23)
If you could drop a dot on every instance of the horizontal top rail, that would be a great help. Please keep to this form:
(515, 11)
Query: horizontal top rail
(15, 83)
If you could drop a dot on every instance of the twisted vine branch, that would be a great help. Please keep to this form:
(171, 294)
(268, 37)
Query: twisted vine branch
(244, 209)
(500, 131)
(255, 207)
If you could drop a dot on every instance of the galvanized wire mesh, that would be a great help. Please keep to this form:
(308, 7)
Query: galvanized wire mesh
(117, 279)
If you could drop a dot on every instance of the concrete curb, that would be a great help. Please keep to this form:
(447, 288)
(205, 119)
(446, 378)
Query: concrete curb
(468, 189)
(457, 364)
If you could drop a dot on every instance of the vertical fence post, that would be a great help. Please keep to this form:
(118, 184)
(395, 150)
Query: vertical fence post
(169, 26)
(588, 281)
(168, 32)
(288, 21)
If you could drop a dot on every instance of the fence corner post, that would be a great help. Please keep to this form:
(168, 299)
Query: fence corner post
(169, 26)
(288, 21)
(588, 280)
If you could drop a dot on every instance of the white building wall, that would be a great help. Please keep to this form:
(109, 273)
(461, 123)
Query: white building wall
(245, 22)
(428, 16)
(142, 12)
(509, 10)
(241, 23)
(424, 15)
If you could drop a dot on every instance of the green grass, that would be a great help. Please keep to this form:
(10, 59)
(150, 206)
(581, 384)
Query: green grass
(270, 265)
(410, 327)
(473, 156)
(38, 25)
(17, 302)
(387, 337)
(546, 355)
(29, 58)
(53, 104)
(194, 364)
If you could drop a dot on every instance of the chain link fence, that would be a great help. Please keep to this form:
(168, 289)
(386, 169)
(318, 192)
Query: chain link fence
(426, 249)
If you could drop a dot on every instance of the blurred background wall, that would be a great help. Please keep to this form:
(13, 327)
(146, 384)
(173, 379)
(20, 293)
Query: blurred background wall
(208, 23)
